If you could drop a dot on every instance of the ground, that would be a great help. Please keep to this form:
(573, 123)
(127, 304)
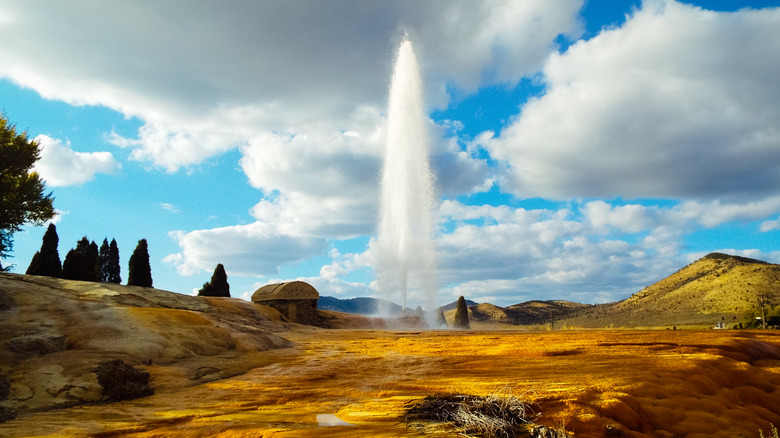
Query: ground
(647, 383)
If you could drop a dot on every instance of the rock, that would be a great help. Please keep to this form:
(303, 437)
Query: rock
(6, 414)
(38, 344)
(5, 387)
(120, 381)
(6, 302)
(206, 371)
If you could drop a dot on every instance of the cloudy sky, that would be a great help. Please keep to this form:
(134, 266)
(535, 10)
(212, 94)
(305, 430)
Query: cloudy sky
(582, 149)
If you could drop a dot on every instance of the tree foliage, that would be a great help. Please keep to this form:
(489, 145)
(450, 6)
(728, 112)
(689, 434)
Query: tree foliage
(47, 260)
(218, 286)
(139, 269)
(461, 315)
(81, 263)
(114, 269)
(108, 263)
(22, 198)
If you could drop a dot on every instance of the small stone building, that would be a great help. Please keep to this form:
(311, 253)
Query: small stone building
(296, 300)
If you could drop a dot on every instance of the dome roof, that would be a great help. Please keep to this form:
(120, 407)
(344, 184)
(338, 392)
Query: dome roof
(293, 290)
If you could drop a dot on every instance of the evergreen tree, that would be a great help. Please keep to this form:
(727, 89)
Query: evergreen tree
(140, 272)
(47, 260)
(114, 269)
(103, 262)
(461, 315)
(218, 286)
(22, 198)
(81, 263)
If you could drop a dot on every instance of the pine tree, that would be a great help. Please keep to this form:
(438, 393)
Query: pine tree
(140, 272)
(47, 260)
(81, 263)
(114, 269)
(218, 286)
(461, 315)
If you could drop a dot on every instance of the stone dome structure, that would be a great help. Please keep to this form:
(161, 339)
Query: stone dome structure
(296, 300)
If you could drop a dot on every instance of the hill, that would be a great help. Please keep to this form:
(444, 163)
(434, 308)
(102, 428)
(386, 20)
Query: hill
(54, 333)
(358, 305)
(715, 288)
(527, 313)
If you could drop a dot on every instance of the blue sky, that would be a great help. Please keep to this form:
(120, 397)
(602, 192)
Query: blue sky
(583, 150)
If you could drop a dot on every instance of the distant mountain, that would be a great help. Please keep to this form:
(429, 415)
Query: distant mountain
(359, 305)
(368, 306)
(527, 313)
(454, 304)
(715, 288)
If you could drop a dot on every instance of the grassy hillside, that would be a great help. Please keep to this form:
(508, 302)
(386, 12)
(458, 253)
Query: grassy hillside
(715, 288)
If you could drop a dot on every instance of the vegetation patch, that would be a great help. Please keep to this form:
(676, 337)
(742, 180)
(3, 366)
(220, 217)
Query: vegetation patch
(494, 415)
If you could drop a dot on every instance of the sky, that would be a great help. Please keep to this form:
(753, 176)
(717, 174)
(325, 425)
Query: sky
(582, 150)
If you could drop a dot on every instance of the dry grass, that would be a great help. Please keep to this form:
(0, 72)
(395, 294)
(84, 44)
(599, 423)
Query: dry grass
(773, 433)
(495, 415)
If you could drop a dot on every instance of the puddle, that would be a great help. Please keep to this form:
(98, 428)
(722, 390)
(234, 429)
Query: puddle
(331, 420)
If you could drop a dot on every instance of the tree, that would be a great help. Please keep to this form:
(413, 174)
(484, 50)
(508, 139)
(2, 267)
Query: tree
(218, 286)
(47, 260)
(103, 261)
(114, 268)
(21, 190)
(461, 315)
(81, 263)
(139, 270)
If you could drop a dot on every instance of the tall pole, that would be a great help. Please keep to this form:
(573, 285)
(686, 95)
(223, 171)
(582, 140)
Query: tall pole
(763, 311)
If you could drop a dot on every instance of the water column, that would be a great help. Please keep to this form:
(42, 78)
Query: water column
(406, 261)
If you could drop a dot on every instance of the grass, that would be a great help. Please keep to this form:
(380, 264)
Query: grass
(772, 431)
(499, 414)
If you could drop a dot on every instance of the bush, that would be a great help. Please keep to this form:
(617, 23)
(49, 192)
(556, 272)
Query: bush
(120, 381)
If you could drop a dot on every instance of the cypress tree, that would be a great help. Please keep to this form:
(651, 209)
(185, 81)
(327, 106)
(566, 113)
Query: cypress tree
(81, 262)
(47, 260)
(103, 262)
(461, 315)
(114, 269)
(140, 272)
(218, 286)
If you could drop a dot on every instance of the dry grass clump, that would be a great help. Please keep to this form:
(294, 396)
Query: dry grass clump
(772, 431)
(495, 415)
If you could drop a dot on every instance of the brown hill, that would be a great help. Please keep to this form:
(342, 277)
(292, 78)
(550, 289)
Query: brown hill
(715, 288)
(527, 313)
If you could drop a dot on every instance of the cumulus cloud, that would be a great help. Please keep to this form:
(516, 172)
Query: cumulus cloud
(60, 165)
(218, 75)
(678, 102)
(255, 249)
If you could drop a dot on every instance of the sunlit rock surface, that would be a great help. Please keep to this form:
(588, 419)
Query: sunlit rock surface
(643, 383)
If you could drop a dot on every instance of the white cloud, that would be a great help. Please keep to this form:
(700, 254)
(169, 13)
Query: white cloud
(770, 226)
(220, 75)
(678, 102)
(60, 165)
(256, 249)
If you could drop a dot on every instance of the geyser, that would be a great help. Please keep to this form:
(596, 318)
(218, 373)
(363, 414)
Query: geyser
(406, 258)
